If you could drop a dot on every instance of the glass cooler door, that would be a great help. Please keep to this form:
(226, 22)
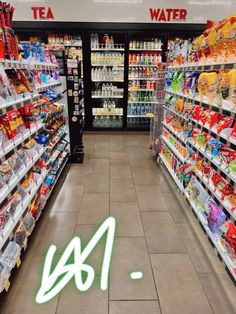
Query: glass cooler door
(107, 79)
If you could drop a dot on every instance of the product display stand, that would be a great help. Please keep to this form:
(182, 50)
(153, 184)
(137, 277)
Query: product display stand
(144, 76)
(198, 141)
(176, 151)
(32, 160)
(157, 118)
(75, 93)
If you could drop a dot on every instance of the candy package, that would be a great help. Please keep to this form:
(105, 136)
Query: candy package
(20, 234)
(6, 172)
(4, 216)
(15, 203)
(16, 163)
(29, 183)
(15, 78)
(230, 237)
(28, 221)
(215, 218)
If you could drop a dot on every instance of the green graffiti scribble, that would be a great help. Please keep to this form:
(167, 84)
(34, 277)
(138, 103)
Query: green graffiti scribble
(51, 286)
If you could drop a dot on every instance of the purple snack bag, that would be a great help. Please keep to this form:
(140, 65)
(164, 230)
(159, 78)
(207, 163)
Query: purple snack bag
(215, 217)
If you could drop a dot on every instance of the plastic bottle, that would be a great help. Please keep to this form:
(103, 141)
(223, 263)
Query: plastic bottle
(103, 89)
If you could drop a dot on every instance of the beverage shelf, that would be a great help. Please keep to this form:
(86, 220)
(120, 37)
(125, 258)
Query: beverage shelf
(107, 49)
(107, 65)
(142, 78)
(138, 116)
(142, 65)
(114, 81)
(138, 49)
(101, 96)
(141, 90)
(142, 102)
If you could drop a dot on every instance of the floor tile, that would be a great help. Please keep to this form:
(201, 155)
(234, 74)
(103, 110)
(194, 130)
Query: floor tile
(100, 153)
(144, 176)
(94, 208)
(150, 198)
(99, 165)
(128, 219)
(120, 183)
(161, 233)
(220, 292)
(130, 254)
(90, 302)
(176, 208)
(120, 172)
(23, 297)
(134, 307)
(118, 146)
(76, 175)
(122, 193)
(199, 249)
(141, 163)
(178, 286)
(68, 199)
(119, 158)
(58, 229)
(97, 183)
(95, 259)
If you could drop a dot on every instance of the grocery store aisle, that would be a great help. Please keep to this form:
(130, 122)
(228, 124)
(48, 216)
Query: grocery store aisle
(156, 234)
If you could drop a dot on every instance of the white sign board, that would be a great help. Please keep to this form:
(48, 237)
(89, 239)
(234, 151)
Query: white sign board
(136, 11)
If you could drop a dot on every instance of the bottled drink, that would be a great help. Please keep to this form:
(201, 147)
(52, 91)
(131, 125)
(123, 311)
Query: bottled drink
(138, 59)
(111, 90)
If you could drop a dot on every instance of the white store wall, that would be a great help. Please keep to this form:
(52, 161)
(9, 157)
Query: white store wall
(138, 11)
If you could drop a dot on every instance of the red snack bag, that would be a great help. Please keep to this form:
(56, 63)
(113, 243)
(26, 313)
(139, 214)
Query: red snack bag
(224, 124)
(197, 113)
(15, 79)
(233, 133)
(212, 118)
(26, 113)
(227, 190)
(204, 115)
(230, 236)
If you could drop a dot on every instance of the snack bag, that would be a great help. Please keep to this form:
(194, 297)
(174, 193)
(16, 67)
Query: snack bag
(6, 171)
(219, 45)
(16, 163)
(179, 105)
(231, 39)
(215, 218)
(202, 84)
(223, 88)
(197, 46)
(230, 236)
(27, 80)
(224, 123)
(16, 80)
(20, 234)
(232, 88)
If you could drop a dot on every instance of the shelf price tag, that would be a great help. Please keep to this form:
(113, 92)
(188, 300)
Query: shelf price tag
(18, 262)
(25, 244)
(7, 285)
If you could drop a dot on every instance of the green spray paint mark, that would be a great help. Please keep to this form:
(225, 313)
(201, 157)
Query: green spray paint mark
(50, 286)
(53, 281)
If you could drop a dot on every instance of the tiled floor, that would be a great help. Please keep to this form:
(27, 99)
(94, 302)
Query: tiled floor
(156, 233)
